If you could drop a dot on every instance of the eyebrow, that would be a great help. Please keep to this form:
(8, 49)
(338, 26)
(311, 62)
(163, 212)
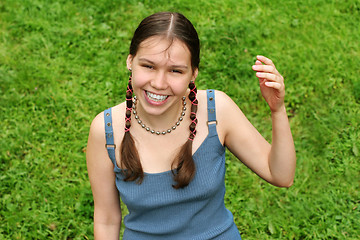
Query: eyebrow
(153, 63)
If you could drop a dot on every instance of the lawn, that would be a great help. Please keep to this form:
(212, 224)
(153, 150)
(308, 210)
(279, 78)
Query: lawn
(62, 62)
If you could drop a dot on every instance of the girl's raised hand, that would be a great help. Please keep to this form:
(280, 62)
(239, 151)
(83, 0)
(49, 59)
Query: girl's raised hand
(271, 83)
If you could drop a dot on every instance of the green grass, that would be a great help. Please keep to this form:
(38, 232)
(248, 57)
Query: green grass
(62, 62)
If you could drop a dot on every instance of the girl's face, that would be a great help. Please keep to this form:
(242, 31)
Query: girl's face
(161, 72)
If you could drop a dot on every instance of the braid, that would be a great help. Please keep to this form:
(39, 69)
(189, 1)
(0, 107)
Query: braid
(194, 103)
(186, 167)
(129, 104)
(130, 159)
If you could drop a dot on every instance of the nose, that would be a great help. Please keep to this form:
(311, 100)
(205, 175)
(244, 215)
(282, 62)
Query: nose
(159, 81)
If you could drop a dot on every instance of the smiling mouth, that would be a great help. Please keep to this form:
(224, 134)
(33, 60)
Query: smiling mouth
(156, 97)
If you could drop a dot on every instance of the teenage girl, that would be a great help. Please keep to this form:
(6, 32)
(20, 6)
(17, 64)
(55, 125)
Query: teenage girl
(162, 151)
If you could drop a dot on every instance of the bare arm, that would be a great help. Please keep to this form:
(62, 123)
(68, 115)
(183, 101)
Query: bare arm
(274, 163)
(282, 155)
(282, 159)
(107, 211)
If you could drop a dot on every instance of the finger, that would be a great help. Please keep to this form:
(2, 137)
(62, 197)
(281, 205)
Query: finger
(273, 85)
(269, 76)
(264, 68)
(265, 60)
(261, 80)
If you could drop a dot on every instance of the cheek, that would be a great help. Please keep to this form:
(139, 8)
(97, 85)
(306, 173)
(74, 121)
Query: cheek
(180, 87)
(138, 81)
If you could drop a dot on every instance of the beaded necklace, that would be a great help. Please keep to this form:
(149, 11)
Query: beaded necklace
(182, 114)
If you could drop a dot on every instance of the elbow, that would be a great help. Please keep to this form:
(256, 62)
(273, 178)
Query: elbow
(289, 184)
(285, 184)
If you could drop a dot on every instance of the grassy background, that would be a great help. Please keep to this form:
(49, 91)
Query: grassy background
(62, 62)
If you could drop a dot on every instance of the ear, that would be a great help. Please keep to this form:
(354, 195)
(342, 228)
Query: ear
(129, 61)
(195, 74)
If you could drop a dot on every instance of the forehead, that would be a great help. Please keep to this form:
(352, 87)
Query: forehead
(160, 48)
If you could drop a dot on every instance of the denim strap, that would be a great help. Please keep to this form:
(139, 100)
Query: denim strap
(211, 111)
(109, 135)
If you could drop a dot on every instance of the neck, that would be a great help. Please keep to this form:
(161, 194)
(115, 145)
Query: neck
(161, 122)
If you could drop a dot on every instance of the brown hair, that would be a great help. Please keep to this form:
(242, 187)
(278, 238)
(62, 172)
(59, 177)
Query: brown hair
(172, 26)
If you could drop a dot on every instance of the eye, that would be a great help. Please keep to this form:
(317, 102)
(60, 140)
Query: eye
(177, 71)
(148, 66)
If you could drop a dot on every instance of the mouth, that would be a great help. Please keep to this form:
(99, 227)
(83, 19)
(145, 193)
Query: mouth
(156, 97)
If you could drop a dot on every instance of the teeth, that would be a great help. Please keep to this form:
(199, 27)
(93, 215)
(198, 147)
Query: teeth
(156, 97)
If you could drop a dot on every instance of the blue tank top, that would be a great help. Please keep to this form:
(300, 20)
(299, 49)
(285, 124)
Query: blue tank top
(158, 211)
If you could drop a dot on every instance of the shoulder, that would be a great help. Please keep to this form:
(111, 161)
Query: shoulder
(225, 106)
(96, 152)
(229, 115)
(97, 127)
(220, 96)
(223, 103)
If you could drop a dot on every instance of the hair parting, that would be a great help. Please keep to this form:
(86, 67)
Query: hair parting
(171, 24)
